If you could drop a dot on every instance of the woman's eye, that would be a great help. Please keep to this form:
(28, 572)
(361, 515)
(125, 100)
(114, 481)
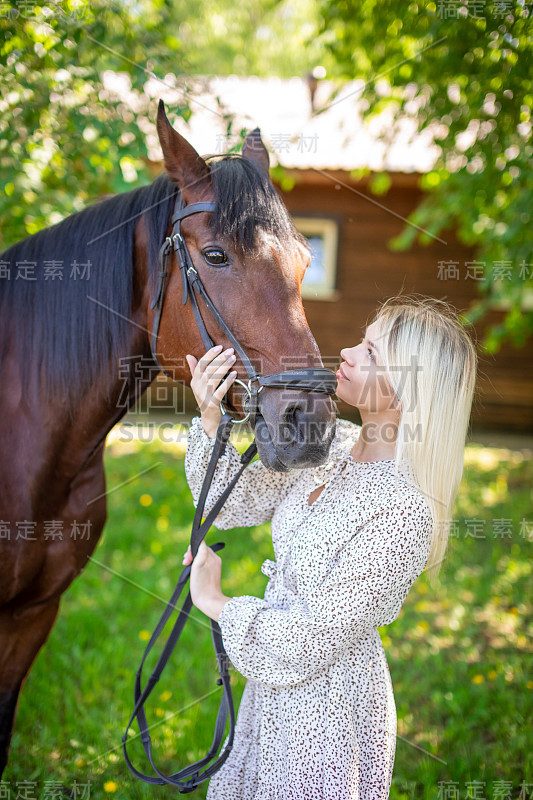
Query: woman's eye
(215, 256)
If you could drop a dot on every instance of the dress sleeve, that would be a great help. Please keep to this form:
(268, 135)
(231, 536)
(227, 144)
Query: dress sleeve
(364, 589)
(254, 497)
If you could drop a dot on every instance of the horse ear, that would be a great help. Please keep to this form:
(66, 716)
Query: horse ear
(255, 150)
(183, 164)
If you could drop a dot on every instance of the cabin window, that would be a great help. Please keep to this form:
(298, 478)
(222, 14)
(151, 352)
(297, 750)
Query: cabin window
(320, 279)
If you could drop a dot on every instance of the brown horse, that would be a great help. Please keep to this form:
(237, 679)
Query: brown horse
(66, 338)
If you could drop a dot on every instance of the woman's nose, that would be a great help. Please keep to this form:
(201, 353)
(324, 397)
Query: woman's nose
(346, 353)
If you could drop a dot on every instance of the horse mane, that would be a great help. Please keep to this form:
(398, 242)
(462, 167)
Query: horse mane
(75, 326)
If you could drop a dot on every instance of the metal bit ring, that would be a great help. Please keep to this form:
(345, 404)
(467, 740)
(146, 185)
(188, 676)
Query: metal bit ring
(248, 390)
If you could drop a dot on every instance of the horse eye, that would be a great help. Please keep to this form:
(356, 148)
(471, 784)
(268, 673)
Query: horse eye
(215, 256)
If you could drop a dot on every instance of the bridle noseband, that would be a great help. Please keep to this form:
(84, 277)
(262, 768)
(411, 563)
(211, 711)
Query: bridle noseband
(311, 379)
(318, 379)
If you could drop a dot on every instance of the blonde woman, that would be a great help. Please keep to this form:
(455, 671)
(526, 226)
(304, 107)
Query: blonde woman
(317, 719)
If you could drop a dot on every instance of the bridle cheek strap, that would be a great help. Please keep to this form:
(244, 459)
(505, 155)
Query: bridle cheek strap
(177, 243)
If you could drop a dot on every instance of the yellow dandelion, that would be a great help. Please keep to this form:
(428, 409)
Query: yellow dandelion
(529, 685)
(478, 679)
(166, 695)
(159, 712)
(514, 611)
(492, 674)
(110, 786)
(145, 500)
(162, 524)
(144, 635)
(80, 762)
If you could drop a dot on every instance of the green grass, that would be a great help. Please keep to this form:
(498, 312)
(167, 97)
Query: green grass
(459, 655)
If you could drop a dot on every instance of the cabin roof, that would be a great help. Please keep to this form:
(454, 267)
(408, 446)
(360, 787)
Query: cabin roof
(326, 133)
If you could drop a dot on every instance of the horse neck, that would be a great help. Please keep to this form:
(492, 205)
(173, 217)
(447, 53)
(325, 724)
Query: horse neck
(132, 371)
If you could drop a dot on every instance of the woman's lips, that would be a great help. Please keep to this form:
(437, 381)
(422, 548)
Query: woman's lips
(340, 375)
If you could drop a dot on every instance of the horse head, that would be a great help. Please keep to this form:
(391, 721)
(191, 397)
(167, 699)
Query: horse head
(251, 260)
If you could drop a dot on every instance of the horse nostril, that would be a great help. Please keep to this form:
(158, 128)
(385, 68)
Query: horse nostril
(291, 424)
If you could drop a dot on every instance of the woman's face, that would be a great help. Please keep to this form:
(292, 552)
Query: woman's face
(361, 377)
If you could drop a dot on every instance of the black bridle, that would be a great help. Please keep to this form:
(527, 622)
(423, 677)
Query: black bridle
(313, 379)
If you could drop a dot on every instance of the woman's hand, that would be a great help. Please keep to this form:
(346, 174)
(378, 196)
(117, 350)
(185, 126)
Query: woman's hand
(206, 569)
(206, 376)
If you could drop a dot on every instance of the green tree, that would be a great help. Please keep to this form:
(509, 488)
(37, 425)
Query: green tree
(66, 139)
(465, 66)
(259, 37)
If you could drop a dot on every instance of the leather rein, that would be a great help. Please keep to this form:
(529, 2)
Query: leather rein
(313, 379)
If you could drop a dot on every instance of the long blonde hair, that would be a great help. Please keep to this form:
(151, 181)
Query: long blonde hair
(431, 363)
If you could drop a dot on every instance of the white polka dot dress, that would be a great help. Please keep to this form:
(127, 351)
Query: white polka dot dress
(317, 719)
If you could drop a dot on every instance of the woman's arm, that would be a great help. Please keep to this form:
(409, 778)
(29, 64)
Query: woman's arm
(364, 590)
(254, 497)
